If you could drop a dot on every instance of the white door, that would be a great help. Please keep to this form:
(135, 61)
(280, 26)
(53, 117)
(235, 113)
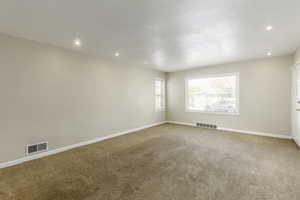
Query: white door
(296, 104)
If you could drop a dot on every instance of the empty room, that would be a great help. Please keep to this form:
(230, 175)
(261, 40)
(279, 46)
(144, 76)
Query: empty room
(149, 100)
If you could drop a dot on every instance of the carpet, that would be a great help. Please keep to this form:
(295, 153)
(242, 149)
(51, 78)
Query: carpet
(167, 162)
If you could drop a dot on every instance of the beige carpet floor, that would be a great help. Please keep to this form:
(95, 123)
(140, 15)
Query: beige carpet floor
(167, 162)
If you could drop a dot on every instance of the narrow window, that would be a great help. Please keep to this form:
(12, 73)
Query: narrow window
(159, 86)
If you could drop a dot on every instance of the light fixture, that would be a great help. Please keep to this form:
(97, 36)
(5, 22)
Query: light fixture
(77, 42)
(269, 53)
(269, 28)
(117, 54)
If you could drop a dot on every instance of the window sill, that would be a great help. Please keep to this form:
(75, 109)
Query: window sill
(214, 113)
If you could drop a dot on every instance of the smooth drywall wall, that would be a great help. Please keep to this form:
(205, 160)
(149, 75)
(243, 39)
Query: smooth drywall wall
(264, 96)
(64, 97)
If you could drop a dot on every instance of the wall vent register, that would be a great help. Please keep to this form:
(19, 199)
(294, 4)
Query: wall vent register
(202, 125)
(36, 148)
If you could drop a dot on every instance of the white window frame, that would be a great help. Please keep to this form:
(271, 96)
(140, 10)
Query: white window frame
(163, 101)
(214, 76)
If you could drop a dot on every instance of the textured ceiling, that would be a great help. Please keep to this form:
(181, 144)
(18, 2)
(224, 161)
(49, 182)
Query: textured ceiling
(163, 34)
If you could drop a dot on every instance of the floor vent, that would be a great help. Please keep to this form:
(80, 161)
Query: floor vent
(202, 125)
(36, 148)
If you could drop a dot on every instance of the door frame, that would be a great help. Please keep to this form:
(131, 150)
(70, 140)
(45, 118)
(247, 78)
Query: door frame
(295, 94)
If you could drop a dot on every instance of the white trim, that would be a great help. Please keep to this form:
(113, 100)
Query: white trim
(294, 69)
(236, 74)
(181, 123)
(256, 133)
(297, 141)
(238, 131)
(207, 112)
(62, 149)
(294, 105)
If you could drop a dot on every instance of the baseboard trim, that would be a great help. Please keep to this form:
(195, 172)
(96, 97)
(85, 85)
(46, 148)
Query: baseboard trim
(239, 131)
(69, 147)
(297, 141)
(181, 123)
(257, 133)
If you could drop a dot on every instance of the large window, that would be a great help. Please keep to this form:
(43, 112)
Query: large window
(213, 94)
(159, 86)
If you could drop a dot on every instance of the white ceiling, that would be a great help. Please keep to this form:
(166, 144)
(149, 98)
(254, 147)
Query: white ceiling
(165, 34)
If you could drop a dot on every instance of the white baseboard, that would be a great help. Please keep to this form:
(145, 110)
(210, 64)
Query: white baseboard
(180, 123)
(238, 131)
(257, 133)
(297, 141)
(62, 149)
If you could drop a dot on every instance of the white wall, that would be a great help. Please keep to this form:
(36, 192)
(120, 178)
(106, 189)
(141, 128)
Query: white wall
(264, 96)
(63, 97)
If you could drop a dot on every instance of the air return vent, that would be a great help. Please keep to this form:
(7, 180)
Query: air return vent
(35, 148)
(203, 125)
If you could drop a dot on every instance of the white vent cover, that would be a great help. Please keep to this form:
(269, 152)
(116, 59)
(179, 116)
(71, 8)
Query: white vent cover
(35, 148)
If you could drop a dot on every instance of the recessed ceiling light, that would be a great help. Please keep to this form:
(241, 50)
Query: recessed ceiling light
(77, 42)
(269, 53)
(269, 28)
(117, 54)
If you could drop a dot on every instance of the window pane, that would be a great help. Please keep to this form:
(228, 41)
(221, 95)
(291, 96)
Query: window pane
(214, 94)
(159, 94)
(158, 102)
(158, 87)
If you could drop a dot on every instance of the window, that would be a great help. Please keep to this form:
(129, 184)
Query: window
(159, 85)
(213, 94)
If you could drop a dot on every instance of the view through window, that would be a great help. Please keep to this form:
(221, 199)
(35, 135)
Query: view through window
(215, 94)
(159, 94)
